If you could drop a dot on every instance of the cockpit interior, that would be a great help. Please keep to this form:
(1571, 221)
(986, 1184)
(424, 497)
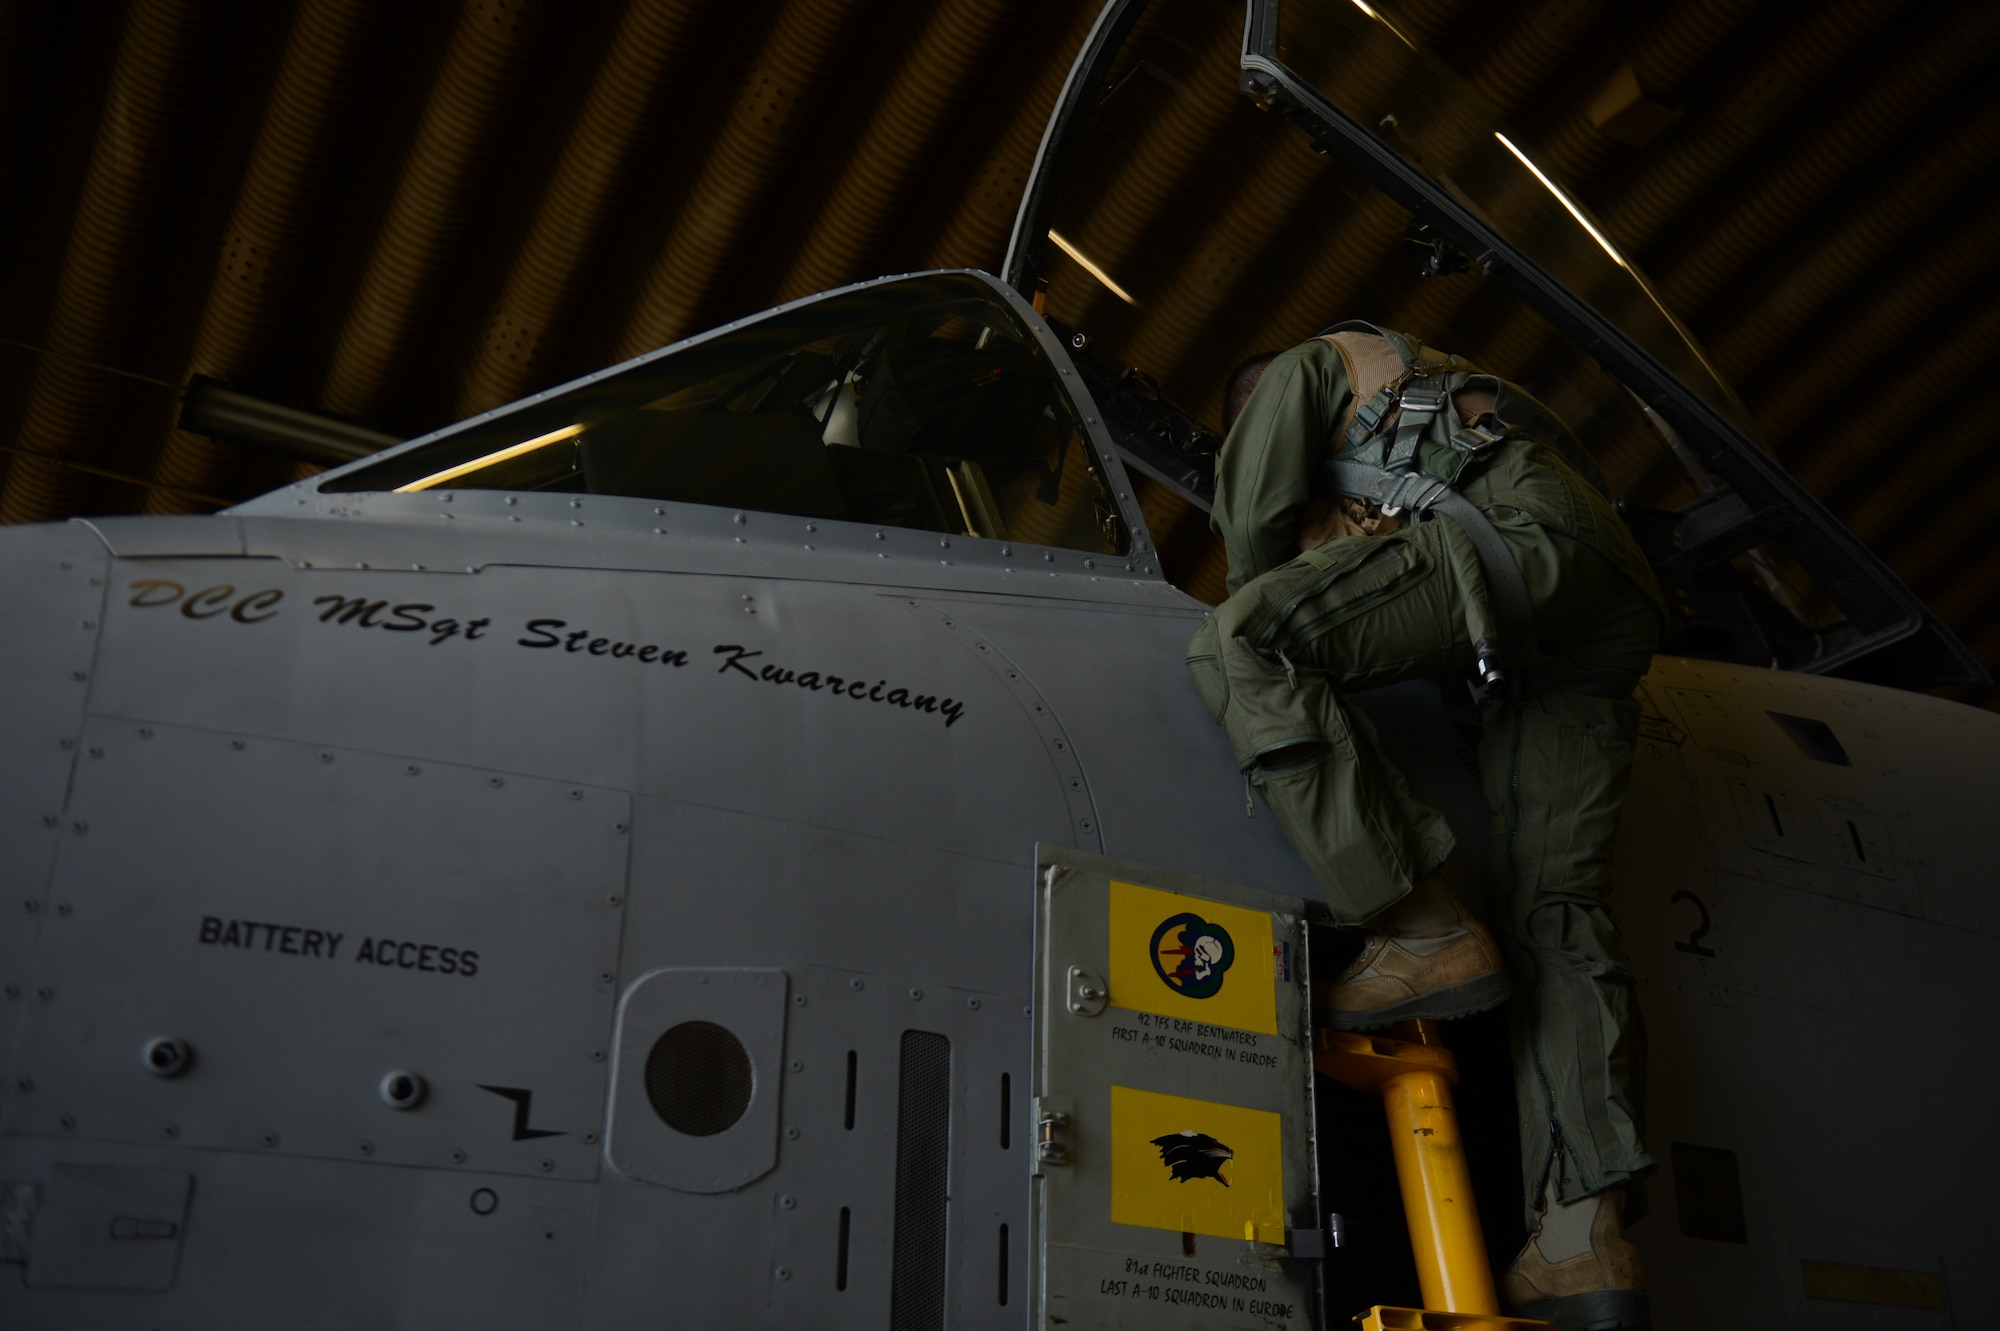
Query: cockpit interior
(922, 403)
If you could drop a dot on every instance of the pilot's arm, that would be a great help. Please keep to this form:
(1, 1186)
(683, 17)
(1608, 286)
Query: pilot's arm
(1264, 475)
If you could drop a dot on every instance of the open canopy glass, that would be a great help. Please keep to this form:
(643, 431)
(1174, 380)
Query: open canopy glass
(1221, 179)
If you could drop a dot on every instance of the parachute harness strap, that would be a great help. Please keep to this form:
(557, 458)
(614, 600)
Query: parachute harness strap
(1378, 461)
(1423, 398)
(1379, 464)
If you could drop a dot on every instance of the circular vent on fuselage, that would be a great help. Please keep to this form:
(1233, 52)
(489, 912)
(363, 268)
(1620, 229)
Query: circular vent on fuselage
(698, 1078)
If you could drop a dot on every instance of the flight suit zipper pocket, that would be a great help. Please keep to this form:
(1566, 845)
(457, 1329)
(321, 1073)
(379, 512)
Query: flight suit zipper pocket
(1389, 584)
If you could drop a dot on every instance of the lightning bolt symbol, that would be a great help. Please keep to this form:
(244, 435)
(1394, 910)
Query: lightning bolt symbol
(522, 1132)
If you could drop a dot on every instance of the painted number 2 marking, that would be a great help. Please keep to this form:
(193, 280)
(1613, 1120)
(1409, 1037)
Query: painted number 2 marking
(1692, 944)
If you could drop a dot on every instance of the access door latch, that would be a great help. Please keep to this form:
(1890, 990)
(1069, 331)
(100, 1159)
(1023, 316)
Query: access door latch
(1052, 1137)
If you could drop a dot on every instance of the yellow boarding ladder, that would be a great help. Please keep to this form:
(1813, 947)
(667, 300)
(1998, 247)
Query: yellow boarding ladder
(1413, 1073)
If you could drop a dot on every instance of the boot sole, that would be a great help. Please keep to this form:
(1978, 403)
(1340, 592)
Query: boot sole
(1596, 1310)
(1459, 1000)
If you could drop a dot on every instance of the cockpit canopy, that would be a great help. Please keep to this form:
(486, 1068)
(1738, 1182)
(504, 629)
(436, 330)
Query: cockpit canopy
(1227, 177)
(923, 402)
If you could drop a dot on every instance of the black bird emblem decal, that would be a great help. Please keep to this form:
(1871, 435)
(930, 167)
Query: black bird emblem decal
(1192, 1154)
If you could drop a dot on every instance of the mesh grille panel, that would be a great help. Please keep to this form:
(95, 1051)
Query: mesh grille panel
(698, 1078)
(923, 1158)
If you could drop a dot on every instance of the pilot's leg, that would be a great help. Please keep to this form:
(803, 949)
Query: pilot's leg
(1274, 663)
(1555, 768)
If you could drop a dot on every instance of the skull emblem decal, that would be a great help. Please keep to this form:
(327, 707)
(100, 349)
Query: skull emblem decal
(1191, 955)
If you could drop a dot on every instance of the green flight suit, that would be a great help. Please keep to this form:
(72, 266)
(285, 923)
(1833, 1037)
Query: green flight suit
(1299, 632)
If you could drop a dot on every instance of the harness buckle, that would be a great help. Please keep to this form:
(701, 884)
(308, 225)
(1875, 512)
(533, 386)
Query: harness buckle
(1477, 439)
(1421, 401)
(1415, 491)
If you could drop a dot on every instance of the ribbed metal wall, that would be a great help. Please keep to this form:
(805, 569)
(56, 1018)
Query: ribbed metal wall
(406, 214)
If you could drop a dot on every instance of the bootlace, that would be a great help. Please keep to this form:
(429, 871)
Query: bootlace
(1364, 958)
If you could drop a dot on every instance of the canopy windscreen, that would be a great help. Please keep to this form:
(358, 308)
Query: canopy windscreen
(919, 403)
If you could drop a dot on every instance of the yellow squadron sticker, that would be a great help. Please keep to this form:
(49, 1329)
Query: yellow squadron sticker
(1196, 1167)
(1188, 957)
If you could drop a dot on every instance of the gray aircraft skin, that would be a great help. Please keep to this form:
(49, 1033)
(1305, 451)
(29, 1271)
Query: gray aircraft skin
(360, 845)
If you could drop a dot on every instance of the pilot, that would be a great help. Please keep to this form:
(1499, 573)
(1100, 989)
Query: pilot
(1503, 555)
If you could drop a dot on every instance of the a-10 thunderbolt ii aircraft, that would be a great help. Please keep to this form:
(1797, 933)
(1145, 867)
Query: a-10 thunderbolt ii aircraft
(729, 841)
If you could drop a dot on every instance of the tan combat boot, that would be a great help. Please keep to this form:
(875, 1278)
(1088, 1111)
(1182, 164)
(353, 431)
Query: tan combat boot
(1578, 1270)
(1398, 977)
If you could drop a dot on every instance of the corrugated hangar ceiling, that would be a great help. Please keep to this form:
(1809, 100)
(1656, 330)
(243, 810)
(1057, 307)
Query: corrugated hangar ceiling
(403, 214)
